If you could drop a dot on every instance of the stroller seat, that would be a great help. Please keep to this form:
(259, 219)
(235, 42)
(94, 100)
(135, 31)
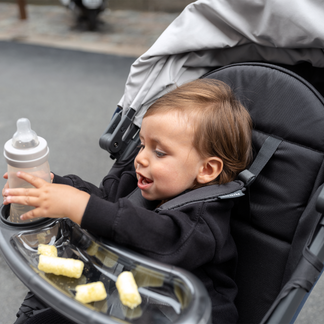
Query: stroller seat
(272, 224)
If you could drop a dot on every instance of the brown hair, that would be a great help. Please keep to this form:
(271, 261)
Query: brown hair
(222, 126)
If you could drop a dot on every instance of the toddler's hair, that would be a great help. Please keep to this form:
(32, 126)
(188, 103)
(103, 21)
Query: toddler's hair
(222, 126)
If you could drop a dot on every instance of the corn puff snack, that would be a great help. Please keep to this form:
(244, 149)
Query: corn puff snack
(91, 292)
(61, 266)
(127, 289)
(49, 250)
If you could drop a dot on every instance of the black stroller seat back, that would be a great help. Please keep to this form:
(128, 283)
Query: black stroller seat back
(272, 229)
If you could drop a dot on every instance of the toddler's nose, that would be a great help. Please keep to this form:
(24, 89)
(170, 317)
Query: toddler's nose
(141, 159)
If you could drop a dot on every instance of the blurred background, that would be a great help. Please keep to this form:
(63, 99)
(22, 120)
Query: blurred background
(66, 76)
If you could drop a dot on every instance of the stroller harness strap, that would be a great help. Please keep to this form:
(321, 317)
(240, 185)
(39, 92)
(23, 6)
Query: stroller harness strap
(268, 148)
(208, 193)
(229, 190)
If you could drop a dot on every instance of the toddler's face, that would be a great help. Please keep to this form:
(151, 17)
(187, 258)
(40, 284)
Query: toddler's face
(167, 163)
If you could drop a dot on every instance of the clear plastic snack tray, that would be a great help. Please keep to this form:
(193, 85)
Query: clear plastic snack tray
(169, 294)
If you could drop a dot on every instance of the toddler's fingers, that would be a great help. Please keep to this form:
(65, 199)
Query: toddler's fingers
(35, 181)
(6, 186)
(31, 214)
(22, 192)
(22, 200)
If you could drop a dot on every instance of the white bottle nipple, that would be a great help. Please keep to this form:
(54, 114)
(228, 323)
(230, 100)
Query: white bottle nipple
(25, 137)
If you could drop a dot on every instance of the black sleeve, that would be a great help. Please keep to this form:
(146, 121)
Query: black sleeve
(169, 236)
(120, 181)
(77, 182)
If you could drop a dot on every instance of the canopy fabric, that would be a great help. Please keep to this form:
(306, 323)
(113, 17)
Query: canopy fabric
(212, 33)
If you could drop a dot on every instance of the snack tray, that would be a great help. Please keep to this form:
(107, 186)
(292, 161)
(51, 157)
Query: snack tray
(169, 294)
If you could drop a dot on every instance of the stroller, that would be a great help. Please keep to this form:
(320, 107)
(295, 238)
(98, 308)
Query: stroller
(278, 224)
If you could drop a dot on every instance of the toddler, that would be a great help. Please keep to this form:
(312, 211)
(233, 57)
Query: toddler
(195, 136)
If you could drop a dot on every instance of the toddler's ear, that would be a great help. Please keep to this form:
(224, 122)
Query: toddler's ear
(210, 169)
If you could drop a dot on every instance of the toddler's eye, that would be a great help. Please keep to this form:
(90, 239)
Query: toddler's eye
(159, 154)
(141, 146)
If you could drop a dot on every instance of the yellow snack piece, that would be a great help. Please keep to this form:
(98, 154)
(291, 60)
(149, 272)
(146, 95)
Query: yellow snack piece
(91, 292)
(127, 289)
(61, 266)
(49, 250)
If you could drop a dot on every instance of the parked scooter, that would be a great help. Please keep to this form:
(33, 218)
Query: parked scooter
(87, 11)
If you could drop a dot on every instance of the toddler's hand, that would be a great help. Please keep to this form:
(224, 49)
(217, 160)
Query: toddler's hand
(50, 200)
(5, 176)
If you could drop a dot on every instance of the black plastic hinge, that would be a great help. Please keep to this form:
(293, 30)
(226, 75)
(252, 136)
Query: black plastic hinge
(120, 133)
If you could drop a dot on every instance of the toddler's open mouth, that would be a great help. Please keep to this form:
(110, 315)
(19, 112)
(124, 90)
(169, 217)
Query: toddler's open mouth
(143, 183)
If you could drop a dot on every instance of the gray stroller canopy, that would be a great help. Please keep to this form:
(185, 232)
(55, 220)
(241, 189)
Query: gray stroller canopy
(212, 33)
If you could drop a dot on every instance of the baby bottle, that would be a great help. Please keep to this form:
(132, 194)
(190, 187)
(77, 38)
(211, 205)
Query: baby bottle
(25, 152)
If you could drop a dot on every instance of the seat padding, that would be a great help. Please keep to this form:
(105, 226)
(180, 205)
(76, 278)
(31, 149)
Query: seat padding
(269, 238)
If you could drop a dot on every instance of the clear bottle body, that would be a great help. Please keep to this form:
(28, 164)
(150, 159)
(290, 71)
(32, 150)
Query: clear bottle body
(41, 171)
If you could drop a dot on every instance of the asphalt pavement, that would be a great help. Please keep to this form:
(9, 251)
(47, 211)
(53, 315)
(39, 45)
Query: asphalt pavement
(68, 83)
